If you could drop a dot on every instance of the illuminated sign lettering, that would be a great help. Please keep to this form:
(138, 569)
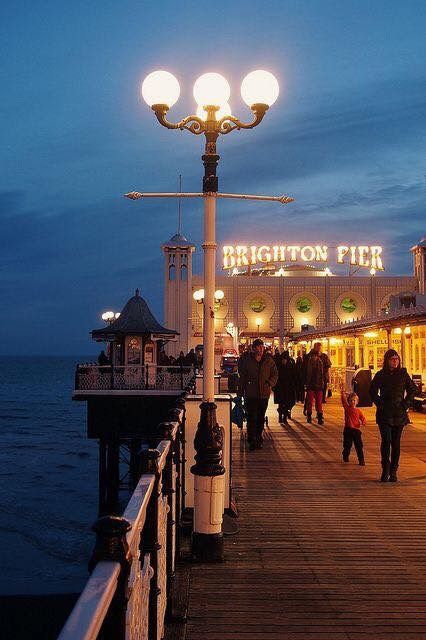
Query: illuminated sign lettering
(244, 256)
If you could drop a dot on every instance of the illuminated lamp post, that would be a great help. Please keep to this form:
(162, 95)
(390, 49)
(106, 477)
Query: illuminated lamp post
(407, 348)
(110, 316)
(160, 91)
(372, 274)
(258, 324)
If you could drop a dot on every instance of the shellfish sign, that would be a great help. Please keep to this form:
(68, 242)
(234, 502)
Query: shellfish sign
(244, 256)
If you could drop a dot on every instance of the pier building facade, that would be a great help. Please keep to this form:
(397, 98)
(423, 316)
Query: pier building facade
(278, 300)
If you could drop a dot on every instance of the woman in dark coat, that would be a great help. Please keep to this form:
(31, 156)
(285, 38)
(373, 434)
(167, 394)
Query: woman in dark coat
(392, 391)
(285, 389)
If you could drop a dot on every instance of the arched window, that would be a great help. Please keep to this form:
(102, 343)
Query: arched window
(172, 268)
(134, 350)
(184, 272)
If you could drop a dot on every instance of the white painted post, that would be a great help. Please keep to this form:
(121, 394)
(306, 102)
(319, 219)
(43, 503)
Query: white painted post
(209, 248)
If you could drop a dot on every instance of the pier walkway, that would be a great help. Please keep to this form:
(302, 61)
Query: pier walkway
(324, 550)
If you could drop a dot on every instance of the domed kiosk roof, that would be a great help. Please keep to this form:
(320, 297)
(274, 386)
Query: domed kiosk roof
(136, 319)
(178, 240)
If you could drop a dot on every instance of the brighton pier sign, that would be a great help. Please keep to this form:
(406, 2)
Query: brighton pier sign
(244, 256)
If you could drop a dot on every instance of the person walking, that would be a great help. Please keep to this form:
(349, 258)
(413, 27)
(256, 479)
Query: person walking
(258, 376)
(285, 389)
(314, 385)
(392, 391)
(354, 418)
(300, 387)
(326, 364)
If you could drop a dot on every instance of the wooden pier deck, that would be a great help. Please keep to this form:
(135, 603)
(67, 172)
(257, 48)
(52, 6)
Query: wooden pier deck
(324, 550)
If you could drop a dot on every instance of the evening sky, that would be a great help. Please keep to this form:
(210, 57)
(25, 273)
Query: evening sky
(346, 139)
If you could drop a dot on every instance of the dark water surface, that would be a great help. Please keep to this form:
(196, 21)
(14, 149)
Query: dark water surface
(48, 477)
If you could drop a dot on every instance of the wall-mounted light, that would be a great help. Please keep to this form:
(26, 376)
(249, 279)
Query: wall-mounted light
(407, 331)
(370, 334)
(372, 271)
(398, 331)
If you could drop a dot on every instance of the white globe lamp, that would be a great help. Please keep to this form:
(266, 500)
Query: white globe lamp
(160, 87)
(259, 87)
(211, 89)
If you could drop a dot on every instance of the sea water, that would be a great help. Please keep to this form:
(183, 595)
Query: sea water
(48, 477)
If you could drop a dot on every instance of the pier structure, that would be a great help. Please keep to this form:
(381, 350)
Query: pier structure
(323, 549)
(129, 396)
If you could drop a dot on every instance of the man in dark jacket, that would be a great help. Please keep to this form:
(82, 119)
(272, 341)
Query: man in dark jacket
(392, 391)
(258, 376)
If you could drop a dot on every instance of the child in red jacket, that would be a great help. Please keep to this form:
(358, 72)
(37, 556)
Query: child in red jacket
(354, 418)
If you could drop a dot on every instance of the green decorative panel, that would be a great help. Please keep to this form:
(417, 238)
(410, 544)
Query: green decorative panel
(304, 304)
(348, 305)
(257, 304)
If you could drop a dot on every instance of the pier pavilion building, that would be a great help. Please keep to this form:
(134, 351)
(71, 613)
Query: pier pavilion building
(290, 295)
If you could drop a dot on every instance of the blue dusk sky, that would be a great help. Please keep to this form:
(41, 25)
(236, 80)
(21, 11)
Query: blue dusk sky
(346, 139)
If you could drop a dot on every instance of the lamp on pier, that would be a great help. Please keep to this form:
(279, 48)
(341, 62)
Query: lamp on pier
(213, 117)
(199, 295)
(110, 316)
(258, 324)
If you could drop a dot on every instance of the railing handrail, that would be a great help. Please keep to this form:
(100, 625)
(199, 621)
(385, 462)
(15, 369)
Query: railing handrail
(94, 365)
(89, 612)
(91, 608)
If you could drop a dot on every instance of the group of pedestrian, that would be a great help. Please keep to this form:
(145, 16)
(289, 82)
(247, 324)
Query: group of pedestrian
(392, 391)
(189, 360)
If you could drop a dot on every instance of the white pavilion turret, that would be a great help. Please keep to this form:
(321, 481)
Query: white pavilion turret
(178, 291)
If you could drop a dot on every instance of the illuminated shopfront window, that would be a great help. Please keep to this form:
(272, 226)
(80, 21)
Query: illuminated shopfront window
(134, 350)
(257, 304)
(304, 304)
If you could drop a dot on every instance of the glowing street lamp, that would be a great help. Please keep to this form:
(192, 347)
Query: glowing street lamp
(110, 316)
(213, 117)
(258, 324)
(199, 295)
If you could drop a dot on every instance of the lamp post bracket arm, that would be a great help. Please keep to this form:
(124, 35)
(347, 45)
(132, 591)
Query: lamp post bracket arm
(137, 195)
(192, 123)
(245, 196)
(230, 123)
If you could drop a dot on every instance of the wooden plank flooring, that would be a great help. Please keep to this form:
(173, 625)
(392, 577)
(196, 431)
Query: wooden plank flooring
(324, 550)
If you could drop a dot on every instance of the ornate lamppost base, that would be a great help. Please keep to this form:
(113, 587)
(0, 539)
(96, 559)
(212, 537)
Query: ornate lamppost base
(207, 547)
(209, 488)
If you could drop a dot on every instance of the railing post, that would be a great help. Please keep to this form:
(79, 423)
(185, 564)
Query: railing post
(169, 490)
(178, 415)
(151, 544)
(182, 460)
(111, 545)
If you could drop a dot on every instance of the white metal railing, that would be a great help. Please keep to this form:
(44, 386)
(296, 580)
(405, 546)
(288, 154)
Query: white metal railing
(92, 377)
(125, 597)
